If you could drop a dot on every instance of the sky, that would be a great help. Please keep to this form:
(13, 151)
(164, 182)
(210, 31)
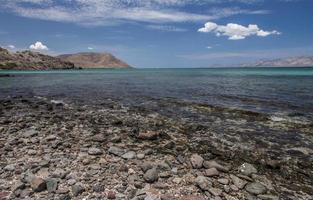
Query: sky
(161, 33)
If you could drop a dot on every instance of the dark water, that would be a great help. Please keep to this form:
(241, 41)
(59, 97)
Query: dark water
(280, 92)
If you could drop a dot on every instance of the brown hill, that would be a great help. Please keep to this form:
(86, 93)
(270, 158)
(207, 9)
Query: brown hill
(94, 60)
(28, 60)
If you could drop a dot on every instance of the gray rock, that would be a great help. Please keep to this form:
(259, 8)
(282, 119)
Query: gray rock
(216, 191)
(239, 183)
(151, 175)
(268, 197)
(129, 155)
(52, 184)
(94, 151)
(38, 184)
(146, 166)
(77, 189)
(10, 167)
(98, 138)
(203, 183)
(164, 166)
(116, 151)
(196, 161)
(140, 156)
(247, 169)
(256, 188)
(223, 181)
(59, 173)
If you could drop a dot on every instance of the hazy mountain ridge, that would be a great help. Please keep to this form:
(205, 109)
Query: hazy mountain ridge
(94, 60)
(28, 60)
(300, 61)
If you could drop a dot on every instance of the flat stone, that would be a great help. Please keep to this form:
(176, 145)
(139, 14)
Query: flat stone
(51, 137)
(30, 133)
(196, 161)
(203, 183)
(247, 169)
(151, 175)
(239, 183)
(149, 135)
(223, 181)
(140, 156)
(215, 191)
(129, 155)
(38, 184)
(10, 167)
(98, 138)
(59, 173)
(77, 189)
(256, 188)
(146, 166)
(94, 151)
(116, 151)
(211, 172)
(214, 164)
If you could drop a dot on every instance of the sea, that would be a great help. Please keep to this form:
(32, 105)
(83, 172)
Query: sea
(282, 93)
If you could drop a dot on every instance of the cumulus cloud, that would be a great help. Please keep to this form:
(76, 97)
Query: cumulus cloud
(236, 31)
(11, 46)
(39, 46)
(112, 12)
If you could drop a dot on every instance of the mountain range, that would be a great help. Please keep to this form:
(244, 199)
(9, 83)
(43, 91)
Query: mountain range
(300, 61)
(29, 60)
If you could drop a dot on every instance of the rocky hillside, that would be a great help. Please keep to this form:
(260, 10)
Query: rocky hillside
(94, 60)
(28, 60)
(303, 61)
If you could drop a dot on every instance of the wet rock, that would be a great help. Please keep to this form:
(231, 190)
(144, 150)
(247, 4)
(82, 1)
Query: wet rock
(256, 188)
(116, 151)
(129, 155)
(151, 175)
(52, 184)
(247, 169)
(77, 189)
(239, 183)
(203, 183)
(38, 184)
(149, 135)
(196, 161)
(214, 164)
(94, 151)
(211, 172)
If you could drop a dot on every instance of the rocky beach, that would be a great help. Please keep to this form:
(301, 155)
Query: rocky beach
(52, 149)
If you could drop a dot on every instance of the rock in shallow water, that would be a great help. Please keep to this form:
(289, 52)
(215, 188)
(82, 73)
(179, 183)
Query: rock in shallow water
(256, 188)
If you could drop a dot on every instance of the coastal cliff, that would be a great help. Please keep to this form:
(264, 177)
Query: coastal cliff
(28, 60)
(94, 60)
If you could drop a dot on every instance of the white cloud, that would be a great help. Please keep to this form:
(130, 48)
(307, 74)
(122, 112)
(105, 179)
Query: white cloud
(38, 46)
(11, 46)
(112, 12)
(209, 47)
(236, 31)
(166, 28)
(90, 48)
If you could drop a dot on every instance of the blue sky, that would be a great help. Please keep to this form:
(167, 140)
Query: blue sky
(161, 33)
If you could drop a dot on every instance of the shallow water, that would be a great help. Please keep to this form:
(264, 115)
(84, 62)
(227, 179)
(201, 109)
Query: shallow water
(280, 92)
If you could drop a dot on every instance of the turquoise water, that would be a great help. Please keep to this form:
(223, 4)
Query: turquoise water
(277, 91)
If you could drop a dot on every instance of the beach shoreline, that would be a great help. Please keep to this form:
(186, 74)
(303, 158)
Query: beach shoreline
(108, 151)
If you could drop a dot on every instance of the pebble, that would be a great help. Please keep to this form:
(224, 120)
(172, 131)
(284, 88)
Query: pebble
(247, 169)
(38, 184)
(94, 151)
(211, 172)
(129, 155)
(215, 191)
(214, 164)
(239, 183)
(151, 175)
(52, 184)
(111, 195)
(77, 189)
(196, 161)
(223, 181)
(203, 183)
(140, 156)
(116, 151)
(149, 135)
